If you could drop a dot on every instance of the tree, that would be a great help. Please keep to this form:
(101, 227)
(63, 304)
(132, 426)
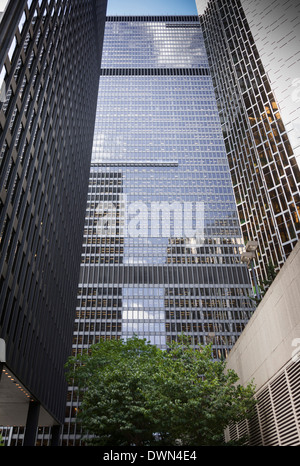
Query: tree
(271, 275)
(133, 393)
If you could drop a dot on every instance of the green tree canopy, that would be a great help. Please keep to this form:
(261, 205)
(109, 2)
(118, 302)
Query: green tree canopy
(133, 393)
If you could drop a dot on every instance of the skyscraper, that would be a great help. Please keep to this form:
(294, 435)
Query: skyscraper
(275, 30)
(50, 54)
(162, 241)
(253, 52)
(261, 145)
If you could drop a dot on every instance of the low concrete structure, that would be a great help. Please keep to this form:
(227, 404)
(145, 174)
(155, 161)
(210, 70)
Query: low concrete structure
(268, 352)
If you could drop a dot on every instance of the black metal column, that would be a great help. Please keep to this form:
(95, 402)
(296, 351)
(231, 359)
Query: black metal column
(32, 423)
(55, 431)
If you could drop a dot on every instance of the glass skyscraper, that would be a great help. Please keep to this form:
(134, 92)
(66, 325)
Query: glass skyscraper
(276, 32)
(261, 145)
(162, 240)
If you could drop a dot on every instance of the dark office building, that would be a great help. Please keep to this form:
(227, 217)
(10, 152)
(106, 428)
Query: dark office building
(162, 241)
(262, 159)
(50, 54)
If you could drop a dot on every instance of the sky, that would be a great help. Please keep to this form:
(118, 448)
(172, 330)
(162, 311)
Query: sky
(145, 7)
(151, 7)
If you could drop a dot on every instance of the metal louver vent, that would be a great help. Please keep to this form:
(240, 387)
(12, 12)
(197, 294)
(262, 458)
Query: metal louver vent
(276, 420)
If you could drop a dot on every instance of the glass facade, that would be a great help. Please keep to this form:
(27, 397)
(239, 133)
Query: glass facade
(162, 241)
(276, 32)
(263, 164)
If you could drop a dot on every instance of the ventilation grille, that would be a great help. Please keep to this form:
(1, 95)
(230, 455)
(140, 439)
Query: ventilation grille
(276, 418)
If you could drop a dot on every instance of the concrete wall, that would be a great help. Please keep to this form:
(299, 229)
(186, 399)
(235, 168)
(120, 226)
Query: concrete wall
(266, 344)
